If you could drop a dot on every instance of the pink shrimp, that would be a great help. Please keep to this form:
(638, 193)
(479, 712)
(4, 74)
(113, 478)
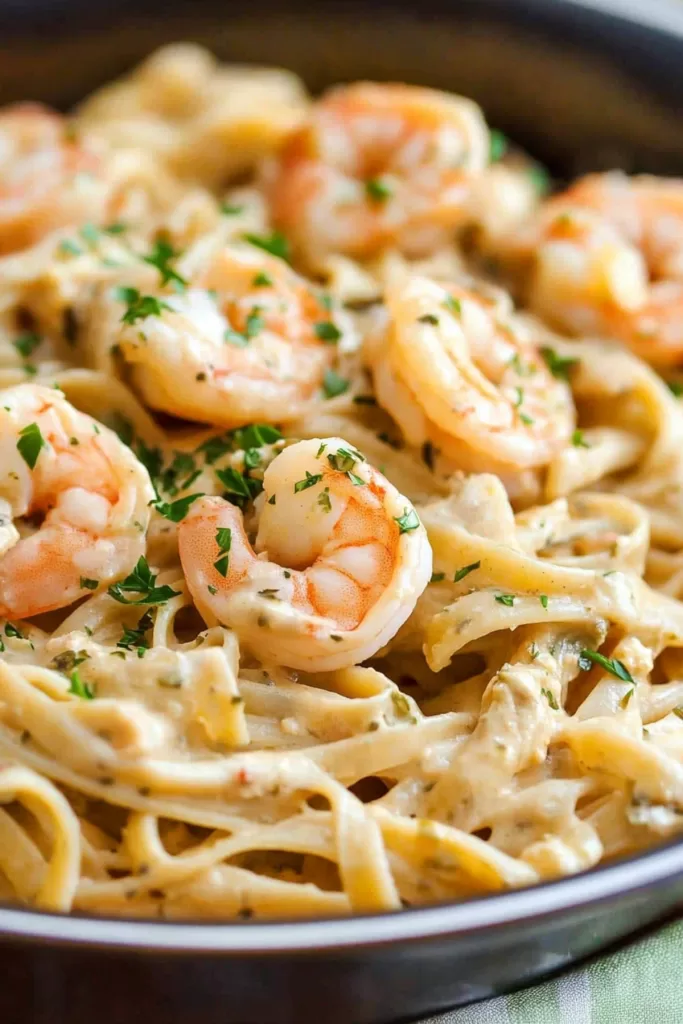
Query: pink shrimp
(378, 165)
(343, 559)
(249, 340)
(606, 257)
(89, 487)
(47, 179)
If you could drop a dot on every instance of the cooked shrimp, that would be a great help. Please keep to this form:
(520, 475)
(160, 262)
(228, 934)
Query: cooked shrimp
(91, 490)
(458, 370)
(607, 258)
(249, 340)
(342, 559)
(47, 179)
(378, 165)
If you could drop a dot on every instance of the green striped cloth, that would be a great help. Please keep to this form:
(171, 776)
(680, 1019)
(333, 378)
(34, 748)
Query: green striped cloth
(641, 984)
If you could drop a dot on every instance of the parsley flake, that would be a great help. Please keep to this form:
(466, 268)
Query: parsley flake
(327, 331)
(27, 343)
(578, 440)
(176, 510)
(141, 581)
(224, 542)
(378, 190)
(30, 443)
(550, 697)
(334, 385)
(465, 571)
(139, 306)
(79, 688)
(587, 658)
(311, 480)
(408, 521)
(276, 244)
(507, 599)
(559, 366)
(160, 257)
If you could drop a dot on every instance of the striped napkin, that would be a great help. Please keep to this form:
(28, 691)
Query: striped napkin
(640, 984)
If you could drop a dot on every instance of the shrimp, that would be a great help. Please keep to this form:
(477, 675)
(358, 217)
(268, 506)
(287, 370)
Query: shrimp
(47, 180)
(249, 340)
(342, 559)
(92, 491)
(458, 371)
(606, 257)
(378, 165)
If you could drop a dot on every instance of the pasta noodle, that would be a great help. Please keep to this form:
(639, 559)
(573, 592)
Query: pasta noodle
(331, 579)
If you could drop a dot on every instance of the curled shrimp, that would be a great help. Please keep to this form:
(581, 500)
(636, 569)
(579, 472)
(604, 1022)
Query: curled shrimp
(378, 165)
(47, 179)
(249, 340)
(91, 491)
(457, 370)
(606, 257)
(342, 559)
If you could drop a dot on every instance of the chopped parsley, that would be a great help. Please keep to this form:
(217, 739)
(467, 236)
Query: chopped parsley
(559, 366)
(408, 521)
(378, 190)
(428, 318)
(262, 280)
(587, 658)
(344, 459)
(141, 581)
(275, 243)
(507, 599)
(327, 331)
(498, 145)
(224, 542)
(465, 571)
(578, 440)
(324, 500)
(256, 435)
(86, 583)
(235, 338)
(550, 697)
(311, 480)
(79, 688)
(453, 305)
(334, 385)
(27, 343)
(30, 443)
(540, 178)
(160, 257)
(674, 386)
(139, 306)
(272, 499)
(364, 400)
(231, 209)
(176, 510)
(437, 577)
(626, 699)
(135, 637)
(678, 711)
(13, 631)
(544, 600)
(240, 489)
(254, 324)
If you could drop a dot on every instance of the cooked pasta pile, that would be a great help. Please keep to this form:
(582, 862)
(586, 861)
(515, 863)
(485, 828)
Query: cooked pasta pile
(341, 519)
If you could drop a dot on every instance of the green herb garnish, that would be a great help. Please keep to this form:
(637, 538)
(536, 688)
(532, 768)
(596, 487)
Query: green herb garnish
(30, 443)
(588, 658)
